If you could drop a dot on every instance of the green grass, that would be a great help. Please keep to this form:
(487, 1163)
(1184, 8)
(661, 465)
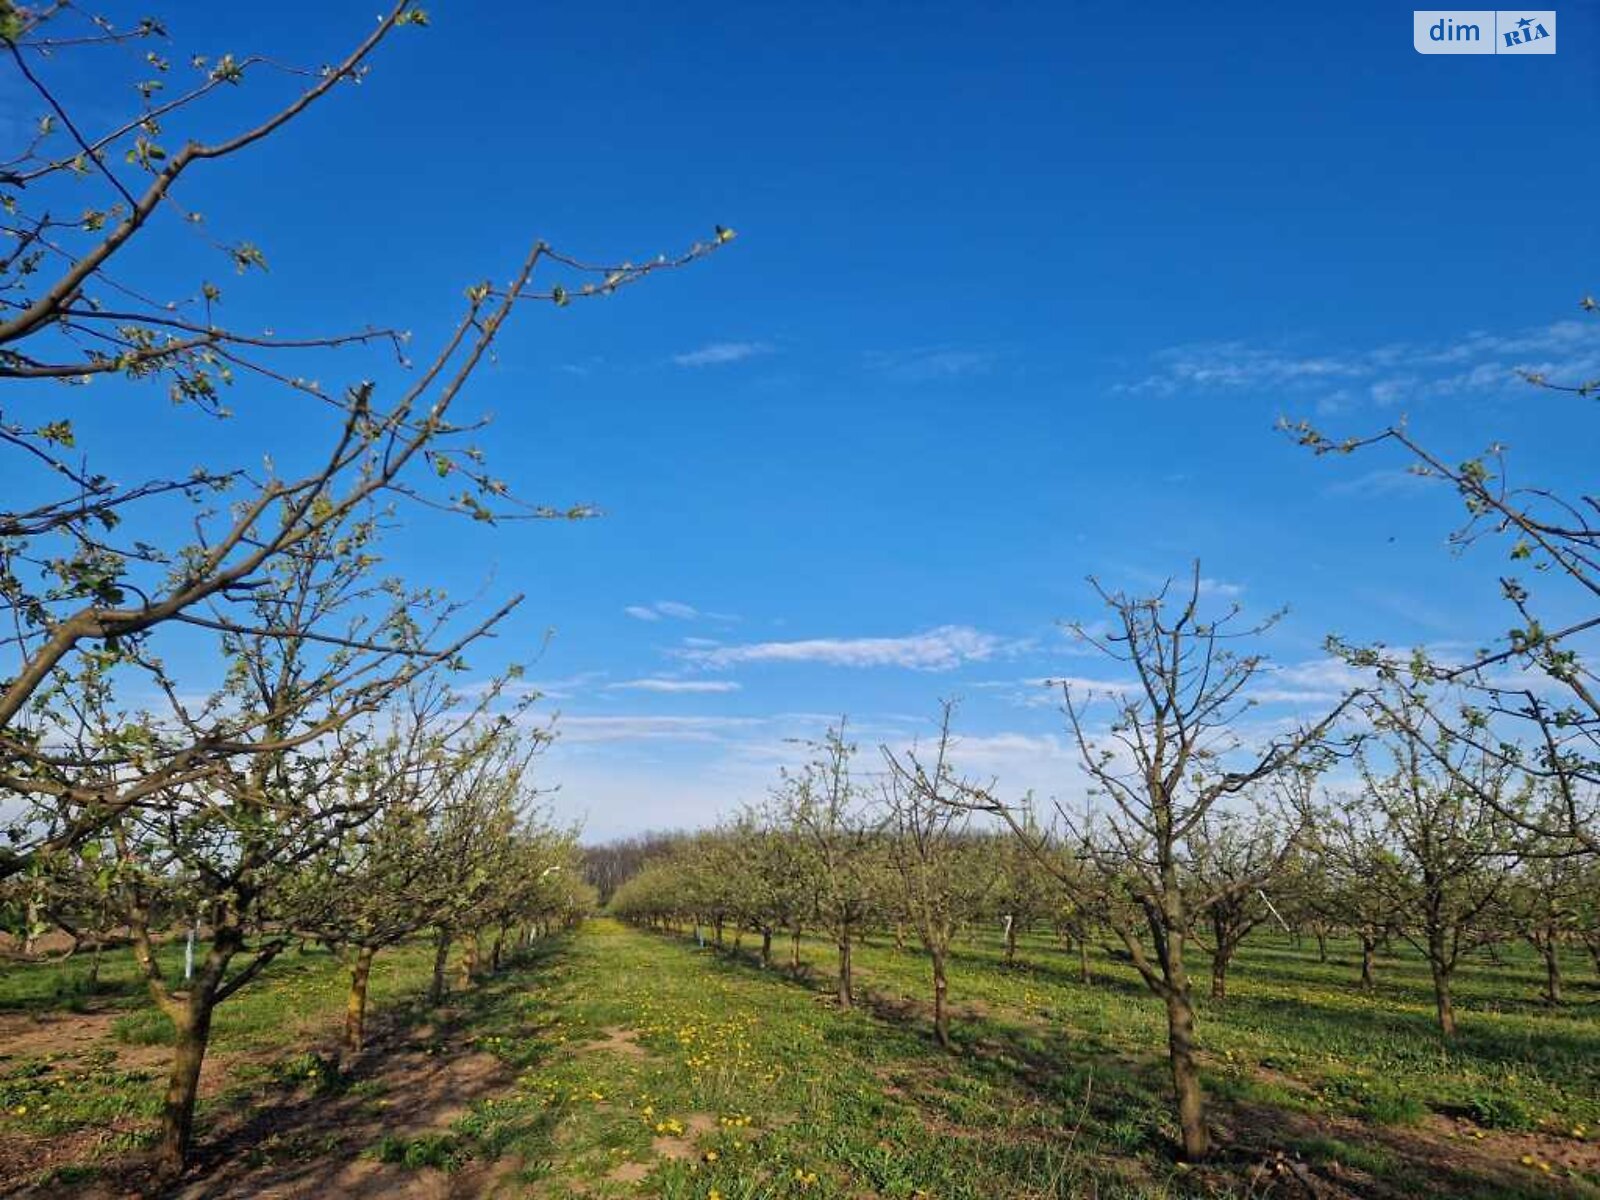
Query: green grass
(1307, 1022)
(93, 1087)
(764, 1091)
(1057, 1088)
(637, 1064)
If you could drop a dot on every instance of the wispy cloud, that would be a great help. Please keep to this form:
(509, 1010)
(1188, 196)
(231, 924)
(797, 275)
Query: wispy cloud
(717, 354)
(1046, 691)
(1318, 679)
(675, 610)
(1386, 375)
(931, 363)
(575, 730)
(1387, 481)
(688, 686)
(1221, 588)
(1240, 365)
(941, 649)
(548, 689)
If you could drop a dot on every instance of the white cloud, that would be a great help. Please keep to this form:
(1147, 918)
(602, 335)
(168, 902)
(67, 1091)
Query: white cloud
(1084, 685)
(940, 649)
(932, 363)
(689, 686)
(1384, 375)
(1237, 364)
(1317, 679)
(675, 609)
(548, 689)
(587, 730)
(718, 353)
(1221, 587)
(1387, 481)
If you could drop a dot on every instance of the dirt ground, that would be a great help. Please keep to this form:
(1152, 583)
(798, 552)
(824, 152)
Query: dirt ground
(295, 1145)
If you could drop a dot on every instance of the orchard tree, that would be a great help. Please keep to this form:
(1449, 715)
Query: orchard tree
(379, 883)
(829, 812)
(1454, 850)
(1231, 859)
(1355, 878)
(473, 835)
(97, 570)
(941, 883)
(1074, 911)
(772, 884)
(72, 891)
(1530, 697)
(1544, 902)
(650, 897)
(1586, 925)
(1021, 894)
(1172, 753)
(228, 847)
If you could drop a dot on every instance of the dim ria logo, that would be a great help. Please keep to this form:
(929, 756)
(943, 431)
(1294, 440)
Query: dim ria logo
(1484, 31)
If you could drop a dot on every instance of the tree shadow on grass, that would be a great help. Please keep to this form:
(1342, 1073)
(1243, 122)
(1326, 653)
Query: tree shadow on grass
(389, 1125)
(1123, 1100)
(1478, 1036)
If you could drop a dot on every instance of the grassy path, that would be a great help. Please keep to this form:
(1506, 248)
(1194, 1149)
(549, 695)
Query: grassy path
(643, 1060)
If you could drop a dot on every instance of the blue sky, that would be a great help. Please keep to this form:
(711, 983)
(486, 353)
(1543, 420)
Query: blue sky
(1018, 293)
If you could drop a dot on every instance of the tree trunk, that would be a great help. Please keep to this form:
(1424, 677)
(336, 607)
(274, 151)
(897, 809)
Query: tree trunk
(192, 1021)
(845, 997)
(766, 948)
(1552, 972)
(1368, 947)
(1083, 961)
(355, 1006)
(1219, 972)
(941, 1016)
(1441, 999)
(94, 964)
(496, 949)
(718, 928)
(441, 955)
(1011, 941)
(899, 935)
(794, 954)
(1185, 1074)
(469, 960)
(1322, 943)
